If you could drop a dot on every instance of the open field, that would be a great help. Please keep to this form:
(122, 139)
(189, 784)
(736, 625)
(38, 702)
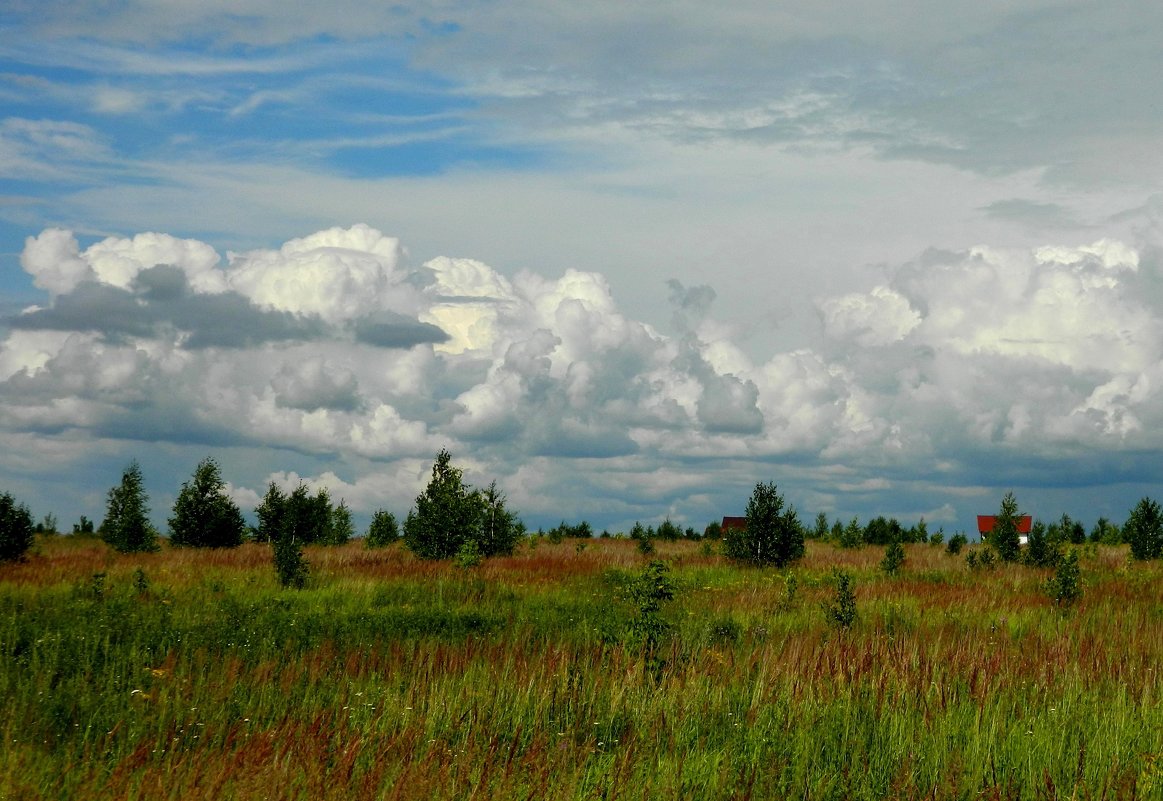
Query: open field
(190, 674)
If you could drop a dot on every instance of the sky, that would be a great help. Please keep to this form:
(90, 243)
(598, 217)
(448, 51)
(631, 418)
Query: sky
(626, 260)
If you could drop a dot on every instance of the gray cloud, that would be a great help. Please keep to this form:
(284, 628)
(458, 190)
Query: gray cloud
(162, 300)
(387, 329)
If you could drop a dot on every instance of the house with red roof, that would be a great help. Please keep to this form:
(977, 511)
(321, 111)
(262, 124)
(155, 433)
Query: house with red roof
(985, 524)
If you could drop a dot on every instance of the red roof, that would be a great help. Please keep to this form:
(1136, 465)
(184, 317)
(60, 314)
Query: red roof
(730, 523)
(985, 523)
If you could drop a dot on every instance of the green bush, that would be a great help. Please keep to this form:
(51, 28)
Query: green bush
(204, 515)
(773, 535)
(15, 529)
(841, 612)
(955, 544)
(894, 557)
(383, 530)
(126, 526)
(1064, 587)
(1144, 530)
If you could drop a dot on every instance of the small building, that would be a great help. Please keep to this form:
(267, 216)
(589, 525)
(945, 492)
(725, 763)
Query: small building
(734, 524)
(985, 524)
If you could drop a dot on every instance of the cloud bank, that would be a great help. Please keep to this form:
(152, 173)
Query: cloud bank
(961, 373)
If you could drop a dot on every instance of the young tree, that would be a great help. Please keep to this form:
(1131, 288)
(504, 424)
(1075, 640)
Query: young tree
(1065, 586)
(499, 529)
(841, 612)
(15, 529)
(446, 514)
(820, 531)
(1144, 530)
(1041, 551)
(383, 530)
(126, 526)
(204, 515)
(852, 535)
(894, 557)
(340, 529)
(1004, 537)
(290, 566)
(271, 514)
(773, 535)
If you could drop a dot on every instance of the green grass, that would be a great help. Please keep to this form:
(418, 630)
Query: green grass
(392, 678)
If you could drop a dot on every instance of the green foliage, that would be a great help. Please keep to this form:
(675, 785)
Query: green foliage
(820, 530)
(340, 529)
(981, 559)
(204, 515)
(852, 535)
(271, 513)
(937, 538)
(383, 530)
(956, 543)
(1065, 586)
(1041, 551)
(894, 557)
(841, 611)
(500, 530)
(563, 530)
(83, 527)
(449, 513)
(47, 525)
(787, 598)
(882, 531)
(305, 518)
(713, 531)
(1004, 538)
(648, 591)
(290, 565)
(1144, 530)
(919, 532)
(15, 529)
(126, 526)
(773, 535)
(1106, 533)
(668, 531)
(645, 545)
(468, 556)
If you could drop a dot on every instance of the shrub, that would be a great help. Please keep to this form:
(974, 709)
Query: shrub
(955, 544)
(648, 591)
(1004, 537)
(1040, 550)
(340, 529)
(448, 513)
(290, 566)
(1064, 587)
(15, 529)
(383, 530)
(851, 535)
(468, 556)
(894, 557)
(204, 515)
(773, 535)
(1144, 530)
(841, 612)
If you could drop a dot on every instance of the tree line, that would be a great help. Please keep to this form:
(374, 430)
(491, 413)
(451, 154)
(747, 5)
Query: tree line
(451, 519)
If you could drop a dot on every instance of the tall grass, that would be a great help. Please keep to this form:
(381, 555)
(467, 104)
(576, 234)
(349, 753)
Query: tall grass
(393, 678)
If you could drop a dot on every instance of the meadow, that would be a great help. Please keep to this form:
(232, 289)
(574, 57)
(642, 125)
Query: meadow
(190, 674)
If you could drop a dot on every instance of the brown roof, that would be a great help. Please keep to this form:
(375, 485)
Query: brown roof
(739, 523)
(985, 523)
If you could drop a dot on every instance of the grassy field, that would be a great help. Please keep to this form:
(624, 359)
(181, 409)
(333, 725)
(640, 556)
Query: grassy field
(191, 675)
